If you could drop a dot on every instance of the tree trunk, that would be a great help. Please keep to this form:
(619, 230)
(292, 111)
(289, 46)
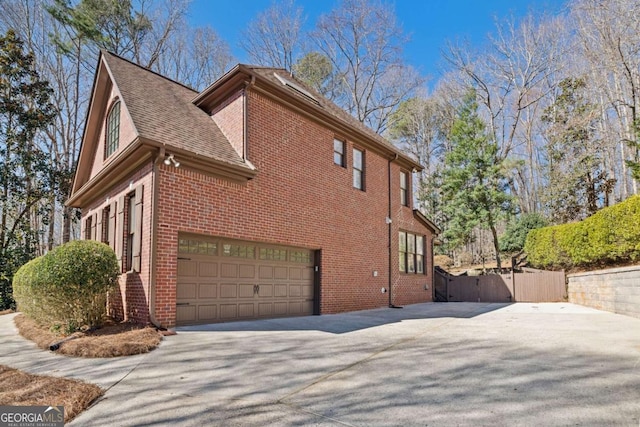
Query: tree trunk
(496, 246)
(66, 223)
(52, 223)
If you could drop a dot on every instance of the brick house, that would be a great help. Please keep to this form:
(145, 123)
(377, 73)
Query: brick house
(254, 198)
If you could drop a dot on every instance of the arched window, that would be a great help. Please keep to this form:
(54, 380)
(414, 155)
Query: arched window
(113, 130)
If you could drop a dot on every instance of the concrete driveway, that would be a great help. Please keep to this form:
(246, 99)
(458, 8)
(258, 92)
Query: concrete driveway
(425, 365)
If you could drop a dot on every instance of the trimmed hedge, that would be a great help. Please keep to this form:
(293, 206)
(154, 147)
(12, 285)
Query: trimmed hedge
(610, 235)
(66, 289)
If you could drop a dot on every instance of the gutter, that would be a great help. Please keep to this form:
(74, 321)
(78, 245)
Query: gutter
(154, 241)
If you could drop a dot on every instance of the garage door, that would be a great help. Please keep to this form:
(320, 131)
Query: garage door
(223, 280)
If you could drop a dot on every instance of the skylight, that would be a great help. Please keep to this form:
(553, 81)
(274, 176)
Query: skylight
(296, 87)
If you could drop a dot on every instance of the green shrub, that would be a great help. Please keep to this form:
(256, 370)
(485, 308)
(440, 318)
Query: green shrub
(610, 235)
(67, 288)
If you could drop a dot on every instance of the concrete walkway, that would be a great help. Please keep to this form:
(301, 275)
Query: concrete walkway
(424, 365)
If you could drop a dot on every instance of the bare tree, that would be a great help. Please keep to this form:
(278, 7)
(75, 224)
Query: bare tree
(66, 55)
(512, 76)
(609, 35)
(416, 127)
(273, 38)
(364, 42)
(195, 58)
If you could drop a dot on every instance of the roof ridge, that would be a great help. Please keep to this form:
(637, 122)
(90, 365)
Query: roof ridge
(263, 67)
(105, 51)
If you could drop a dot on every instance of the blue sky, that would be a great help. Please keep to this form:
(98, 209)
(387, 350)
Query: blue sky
(429, 22)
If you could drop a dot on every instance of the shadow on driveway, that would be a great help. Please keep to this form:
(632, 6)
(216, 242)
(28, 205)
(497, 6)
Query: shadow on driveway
(432, 364)
(354, 321)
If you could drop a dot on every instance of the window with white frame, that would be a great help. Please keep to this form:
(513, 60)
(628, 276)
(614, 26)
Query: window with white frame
(358, 169)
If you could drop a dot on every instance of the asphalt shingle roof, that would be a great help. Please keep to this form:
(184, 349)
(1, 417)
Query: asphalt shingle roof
(162, 111)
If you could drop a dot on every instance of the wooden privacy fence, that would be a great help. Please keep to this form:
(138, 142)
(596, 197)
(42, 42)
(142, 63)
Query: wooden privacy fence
(530, 286)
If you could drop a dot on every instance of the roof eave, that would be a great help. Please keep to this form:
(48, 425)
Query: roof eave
(426, 221)
(142, 150)
(220, 89)
(211, 166)
(100, 72)
(125, 163)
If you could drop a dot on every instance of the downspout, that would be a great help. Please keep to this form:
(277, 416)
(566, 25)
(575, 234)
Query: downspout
(389, 225)
(154, 240)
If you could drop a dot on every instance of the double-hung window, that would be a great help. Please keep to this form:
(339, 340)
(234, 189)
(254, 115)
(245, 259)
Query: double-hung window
(410, 253)
(404, 188)
(358, 169)
(338, 152)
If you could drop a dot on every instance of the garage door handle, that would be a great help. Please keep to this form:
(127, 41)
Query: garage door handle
(256, 289)
(182, 303)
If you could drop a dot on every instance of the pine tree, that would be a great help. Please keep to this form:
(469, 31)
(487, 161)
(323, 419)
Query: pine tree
(474, 182)
(25, 175)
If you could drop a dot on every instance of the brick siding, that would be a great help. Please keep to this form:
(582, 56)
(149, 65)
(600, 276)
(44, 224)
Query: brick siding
(298, 198)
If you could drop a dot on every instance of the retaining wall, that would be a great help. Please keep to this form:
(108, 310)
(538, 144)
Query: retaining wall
(616, 290)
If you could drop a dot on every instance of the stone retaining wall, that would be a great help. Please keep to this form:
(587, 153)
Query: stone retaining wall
(616, 290)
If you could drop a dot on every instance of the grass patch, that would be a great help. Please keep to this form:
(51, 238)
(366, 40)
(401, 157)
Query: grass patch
(112, 340)
(19, 388)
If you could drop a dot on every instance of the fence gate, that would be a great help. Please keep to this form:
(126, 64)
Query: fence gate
(529, 286)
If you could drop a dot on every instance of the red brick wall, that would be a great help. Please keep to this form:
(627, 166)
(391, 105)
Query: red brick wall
(229, 118)
(299, 198)
(131, 300)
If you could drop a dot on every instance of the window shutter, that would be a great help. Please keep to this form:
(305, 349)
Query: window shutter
(112, 225)
(119, 240)
(137, 238)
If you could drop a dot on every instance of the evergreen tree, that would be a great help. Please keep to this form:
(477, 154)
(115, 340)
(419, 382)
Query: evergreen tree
(25, 175)
(474, 183)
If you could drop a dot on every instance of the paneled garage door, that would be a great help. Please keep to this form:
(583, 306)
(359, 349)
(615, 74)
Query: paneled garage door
(224, 280)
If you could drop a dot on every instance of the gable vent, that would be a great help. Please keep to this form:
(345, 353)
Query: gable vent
(302, 91)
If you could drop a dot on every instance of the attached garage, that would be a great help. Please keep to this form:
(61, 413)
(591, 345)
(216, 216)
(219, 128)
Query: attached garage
(223, 280)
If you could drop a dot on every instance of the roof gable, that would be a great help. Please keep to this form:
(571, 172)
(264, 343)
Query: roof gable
(102, 95)
(159, 113)
(162, 111)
